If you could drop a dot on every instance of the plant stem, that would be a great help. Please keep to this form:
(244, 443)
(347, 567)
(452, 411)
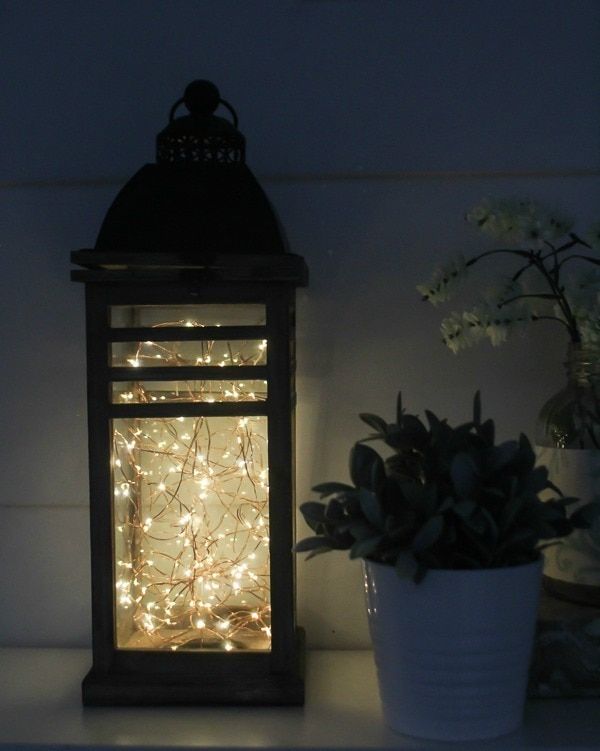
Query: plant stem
(538, 296)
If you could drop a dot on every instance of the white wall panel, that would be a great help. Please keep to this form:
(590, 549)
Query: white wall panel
(366, 86)
(320, 86)
(44, 587)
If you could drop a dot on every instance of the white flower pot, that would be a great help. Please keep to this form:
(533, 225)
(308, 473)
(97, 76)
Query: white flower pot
(453, 651)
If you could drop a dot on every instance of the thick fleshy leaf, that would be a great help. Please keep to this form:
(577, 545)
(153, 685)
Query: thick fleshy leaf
(428, 535)
(487, 430)
(464, 509)
(334, 510)
(500, 456)
(373, 421)
(311, 543)
(313, 510)
(464, 473)
(524, 462)
(371, 507)
(537, 480)
(510, 512)
(362, 462)
(586, 515)
(364, 548)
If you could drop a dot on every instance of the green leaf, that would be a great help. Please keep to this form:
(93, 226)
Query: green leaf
(364, 548)
(371, 507)
(511, 510)
(311, 543)
(334, 510)
(377, 423)
(502, 455)
(362, 461)
(537, 480)
(446, 505)
(413, 434)
(313, 510)
(359, 529)
(567, 500)
(428, 535)
(487, 430)
(464, 474)
(585, 516)
(525, 459)
(464, 509)
(329, 488)
(422, 498)
(434, 422)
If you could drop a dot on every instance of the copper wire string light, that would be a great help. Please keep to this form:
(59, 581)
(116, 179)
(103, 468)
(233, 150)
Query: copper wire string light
(191, 510)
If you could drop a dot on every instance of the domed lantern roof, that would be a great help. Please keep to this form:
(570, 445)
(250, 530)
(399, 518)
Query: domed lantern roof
(199, 198)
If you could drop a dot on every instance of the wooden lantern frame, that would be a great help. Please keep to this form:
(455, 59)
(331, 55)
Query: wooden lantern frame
(129, 676)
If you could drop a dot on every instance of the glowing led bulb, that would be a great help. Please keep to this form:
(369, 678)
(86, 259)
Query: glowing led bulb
(227, 646)
(200, 623)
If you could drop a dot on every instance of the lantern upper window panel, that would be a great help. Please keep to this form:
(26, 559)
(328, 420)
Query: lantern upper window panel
(203, 314)
(184, 354)
(209, 391)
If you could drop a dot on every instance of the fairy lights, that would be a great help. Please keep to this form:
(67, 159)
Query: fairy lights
(191, 514)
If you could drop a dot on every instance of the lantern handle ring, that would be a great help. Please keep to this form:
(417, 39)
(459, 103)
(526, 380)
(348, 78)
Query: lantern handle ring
(202, 98)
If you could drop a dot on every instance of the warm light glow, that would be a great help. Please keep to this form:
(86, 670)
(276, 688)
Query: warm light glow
(191, 533)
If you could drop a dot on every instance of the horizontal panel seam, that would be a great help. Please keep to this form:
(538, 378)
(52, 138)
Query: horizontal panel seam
(324, 177)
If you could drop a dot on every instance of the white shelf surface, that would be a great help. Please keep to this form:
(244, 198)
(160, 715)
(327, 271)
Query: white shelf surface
(40, 708)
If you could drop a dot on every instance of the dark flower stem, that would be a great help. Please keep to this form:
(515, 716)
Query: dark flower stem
(551, 276)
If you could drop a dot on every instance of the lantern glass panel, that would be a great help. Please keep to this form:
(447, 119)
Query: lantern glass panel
(218, 314)
(194, 353)
(191, 533)
(159, 392)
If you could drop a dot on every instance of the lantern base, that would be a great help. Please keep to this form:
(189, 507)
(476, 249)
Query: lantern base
(114, 688)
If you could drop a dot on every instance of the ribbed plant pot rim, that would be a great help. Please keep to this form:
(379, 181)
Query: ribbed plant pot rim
(465, 572)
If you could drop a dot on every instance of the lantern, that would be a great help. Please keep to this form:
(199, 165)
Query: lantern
(190, 361)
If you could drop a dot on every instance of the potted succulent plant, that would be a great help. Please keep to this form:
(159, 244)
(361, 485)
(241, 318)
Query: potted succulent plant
(449, 526)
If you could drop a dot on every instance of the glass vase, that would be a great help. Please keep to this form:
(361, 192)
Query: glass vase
(568, 443)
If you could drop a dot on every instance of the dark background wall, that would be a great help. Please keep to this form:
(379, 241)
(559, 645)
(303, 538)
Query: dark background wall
(373, 125)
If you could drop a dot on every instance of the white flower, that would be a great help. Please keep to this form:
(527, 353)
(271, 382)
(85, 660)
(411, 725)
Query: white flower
(485, 321)
(444, 281)
(456, 332)
(519, 222)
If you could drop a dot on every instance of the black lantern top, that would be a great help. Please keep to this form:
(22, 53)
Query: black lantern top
(201, 137)
(198, 201)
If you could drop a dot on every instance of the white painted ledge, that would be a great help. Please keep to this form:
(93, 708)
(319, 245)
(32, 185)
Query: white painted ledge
(40, 709)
